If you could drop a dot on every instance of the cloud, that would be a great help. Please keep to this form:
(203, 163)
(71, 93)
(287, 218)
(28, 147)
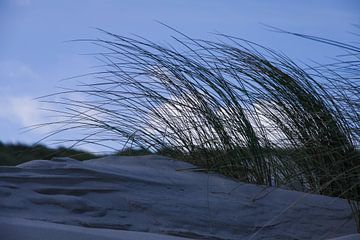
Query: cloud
(26, 110)
(22, 110)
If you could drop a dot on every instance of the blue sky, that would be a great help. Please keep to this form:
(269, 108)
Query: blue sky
(34, 54)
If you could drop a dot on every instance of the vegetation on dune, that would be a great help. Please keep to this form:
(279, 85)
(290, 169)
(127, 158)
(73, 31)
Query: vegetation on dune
(133, 152)
(231, 106)
(14, 154)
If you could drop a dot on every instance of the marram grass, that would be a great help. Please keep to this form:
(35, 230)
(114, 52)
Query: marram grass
(229, 106)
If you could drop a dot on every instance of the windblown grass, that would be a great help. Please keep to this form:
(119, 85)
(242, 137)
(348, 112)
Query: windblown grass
(231, 106)
(343, 84)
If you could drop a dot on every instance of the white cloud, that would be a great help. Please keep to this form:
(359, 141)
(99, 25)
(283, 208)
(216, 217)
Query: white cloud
(26, 110)
(23, 110)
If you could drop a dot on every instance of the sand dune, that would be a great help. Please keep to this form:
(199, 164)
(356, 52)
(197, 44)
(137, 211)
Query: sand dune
(153, 197)
(15, 228)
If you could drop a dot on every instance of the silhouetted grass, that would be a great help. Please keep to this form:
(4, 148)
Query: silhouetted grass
(230, 106)
(134, 152)
(343, 84)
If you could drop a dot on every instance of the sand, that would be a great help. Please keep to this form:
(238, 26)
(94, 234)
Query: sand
(154, 197)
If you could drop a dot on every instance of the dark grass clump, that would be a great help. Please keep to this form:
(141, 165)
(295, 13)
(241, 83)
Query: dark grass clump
(134, 152)
(343, 85)
(14, 154)
(230, 106)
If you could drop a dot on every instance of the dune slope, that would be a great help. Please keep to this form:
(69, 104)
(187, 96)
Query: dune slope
(111, 197)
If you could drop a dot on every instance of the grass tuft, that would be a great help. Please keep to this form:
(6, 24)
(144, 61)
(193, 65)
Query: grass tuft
(230, 106)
